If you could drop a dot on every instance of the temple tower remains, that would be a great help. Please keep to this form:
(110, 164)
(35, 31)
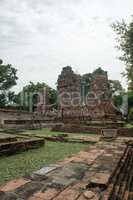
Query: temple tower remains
(69, 88)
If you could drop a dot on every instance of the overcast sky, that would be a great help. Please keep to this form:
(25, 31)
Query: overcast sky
(39, 37)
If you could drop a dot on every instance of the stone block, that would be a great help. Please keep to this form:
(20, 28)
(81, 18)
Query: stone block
(100, 179)
(68, 194)
(45, 170)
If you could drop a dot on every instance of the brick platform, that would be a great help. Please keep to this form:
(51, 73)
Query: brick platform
(86, 175)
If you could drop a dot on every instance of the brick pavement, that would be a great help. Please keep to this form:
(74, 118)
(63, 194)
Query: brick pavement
(83, 176)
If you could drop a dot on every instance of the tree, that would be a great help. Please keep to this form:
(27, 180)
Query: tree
(125, 44)
(3, 100)
(8, 79)
(11, 98)
(31, 94)
(116, 87)
(118, 100)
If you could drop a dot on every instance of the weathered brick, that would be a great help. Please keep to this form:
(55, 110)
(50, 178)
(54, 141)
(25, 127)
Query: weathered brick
(12, 185)
(100, 178)
(47, 195)
(34, 198)
(84, 197)
(68, 194)
(89, 195)
(81, 198)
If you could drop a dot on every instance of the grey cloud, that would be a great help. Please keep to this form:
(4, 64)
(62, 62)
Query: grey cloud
(50, 33)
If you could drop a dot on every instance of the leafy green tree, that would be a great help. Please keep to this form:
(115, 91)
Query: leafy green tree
(117, 99)
(116, 87)
(3, 100)
(8, 79)
(11, 97)
(33, 90)
(125, 44)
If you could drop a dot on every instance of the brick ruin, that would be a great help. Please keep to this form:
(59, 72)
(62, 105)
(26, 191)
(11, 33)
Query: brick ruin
(104, 171)
(16, 119)
(74, 107)
(12, 144)
(69, 87)
(96, 106)
(100, 86)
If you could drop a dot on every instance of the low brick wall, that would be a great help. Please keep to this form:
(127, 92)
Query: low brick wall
(15, 147)
(76, 129)
(22, 119)
(125, 132)
(6, 140)
(122, 132)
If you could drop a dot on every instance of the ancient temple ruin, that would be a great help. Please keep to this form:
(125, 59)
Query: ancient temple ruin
(100, 86)
(69, 87)
(96, 105)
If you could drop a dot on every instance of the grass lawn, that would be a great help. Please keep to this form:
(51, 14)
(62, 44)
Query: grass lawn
(42, 132)
(129, 125)
(25, 163)
(47, 132)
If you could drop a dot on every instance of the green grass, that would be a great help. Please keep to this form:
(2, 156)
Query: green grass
(25, 163)
(47, 132)
(129, 125)
(42, 132)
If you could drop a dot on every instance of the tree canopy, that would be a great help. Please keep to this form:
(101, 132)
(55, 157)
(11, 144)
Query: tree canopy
(8, 79)
(8, 76)
(125, 44)
(32, 90)
(116, 87)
